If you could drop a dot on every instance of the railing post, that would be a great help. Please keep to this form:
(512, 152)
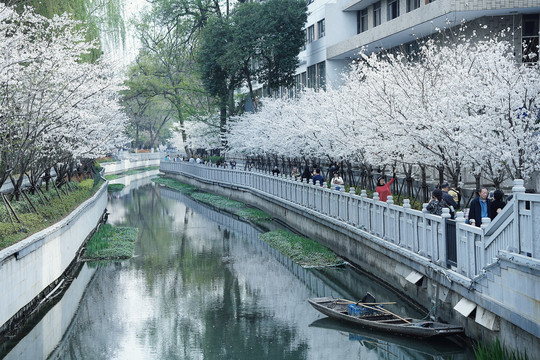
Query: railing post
(365, 213)
(518, 189)
(353, 210)
(480, 246)
(422, 241)
(460, 251)
(389, 230)
(406, 224)
(442, 243)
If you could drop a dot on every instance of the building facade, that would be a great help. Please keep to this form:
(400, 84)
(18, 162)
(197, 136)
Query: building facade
(337, 30)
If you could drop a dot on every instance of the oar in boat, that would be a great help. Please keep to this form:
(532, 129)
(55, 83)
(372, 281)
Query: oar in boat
(345, 301)
(385, 311)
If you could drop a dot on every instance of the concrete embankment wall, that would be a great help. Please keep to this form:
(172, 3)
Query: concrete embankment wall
(411, 274)
(37, 263)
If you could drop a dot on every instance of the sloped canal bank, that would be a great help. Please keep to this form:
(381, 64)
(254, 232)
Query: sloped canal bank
(202, 285)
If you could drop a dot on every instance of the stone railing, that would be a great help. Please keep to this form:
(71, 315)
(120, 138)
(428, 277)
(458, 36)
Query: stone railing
(414, 230)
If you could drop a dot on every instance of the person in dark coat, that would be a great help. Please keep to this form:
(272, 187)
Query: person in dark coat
(497, 204)
(479, 208)
(436, 203)
(306, 174)
(449, 199)
(318, 177)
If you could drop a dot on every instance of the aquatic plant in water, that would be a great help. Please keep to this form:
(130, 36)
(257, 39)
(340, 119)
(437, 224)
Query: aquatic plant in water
(303, 251)
(111, 243)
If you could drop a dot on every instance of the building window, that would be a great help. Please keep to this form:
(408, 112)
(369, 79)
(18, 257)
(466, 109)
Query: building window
(377, 14)
(393, 9)
(310, 34)
(300, 82)
(530, 31)
(321, 75)
(305, 41)
(311, 76)
(412, 4)
(320, 29)
(362, 21)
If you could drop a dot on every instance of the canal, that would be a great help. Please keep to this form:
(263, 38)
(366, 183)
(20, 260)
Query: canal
(203, 286)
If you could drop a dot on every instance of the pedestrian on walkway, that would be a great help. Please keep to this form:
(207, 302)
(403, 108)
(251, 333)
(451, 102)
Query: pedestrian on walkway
(384, 188)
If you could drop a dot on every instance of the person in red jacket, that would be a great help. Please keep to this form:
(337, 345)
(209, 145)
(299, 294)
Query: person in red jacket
(384, 189)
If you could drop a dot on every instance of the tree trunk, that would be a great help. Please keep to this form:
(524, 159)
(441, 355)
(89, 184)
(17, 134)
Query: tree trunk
(251, 94)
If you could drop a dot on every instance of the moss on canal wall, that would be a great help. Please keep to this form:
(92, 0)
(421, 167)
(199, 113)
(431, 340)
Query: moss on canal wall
(301, 250)
(111, 243)
(220, 202)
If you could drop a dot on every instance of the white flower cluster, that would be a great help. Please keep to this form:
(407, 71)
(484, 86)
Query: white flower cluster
(465, 105)
(54, 107)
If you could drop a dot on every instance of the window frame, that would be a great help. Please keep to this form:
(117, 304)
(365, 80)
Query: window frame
(310, 34)
(362, 21)
(321, 24)
(392, 10)
(412, 5)
(377, 14)
(532, 39)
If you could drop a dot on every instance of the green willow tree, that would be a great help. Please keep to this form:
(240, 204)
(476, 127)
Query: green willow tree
(98, 16)
(165, 70)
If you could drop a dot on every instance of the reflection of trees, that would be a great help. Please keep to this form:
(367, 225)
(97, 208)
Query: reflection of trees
(197, 299)
(244, 331)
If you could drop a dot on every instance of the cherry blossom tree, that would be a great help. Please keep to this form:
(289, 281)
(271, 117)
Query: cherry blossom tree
(461, 102)
(53, 105)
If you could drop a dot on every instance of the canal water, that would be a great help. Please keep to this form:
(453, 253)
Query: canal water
(203, 286)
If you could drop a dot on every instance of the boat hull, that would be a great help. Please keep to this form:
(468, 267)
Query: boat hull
(386, 323)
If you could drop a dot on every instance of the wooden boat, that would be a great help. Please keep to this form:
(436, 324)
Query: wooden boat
(381, 319)
(440, 347)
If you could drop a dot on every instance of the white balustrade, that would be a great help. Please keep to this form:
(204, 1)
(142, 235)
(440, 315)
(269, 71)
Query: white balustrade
(417, 231)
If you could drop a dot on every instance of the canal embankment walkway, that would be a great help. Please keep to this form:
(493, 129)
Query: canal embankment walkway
(491, 287)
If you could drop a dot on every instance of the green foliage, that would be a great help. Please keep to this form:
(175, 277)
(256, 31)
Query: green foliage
(95, 16)
(301, 250)
(217, 201)
(253, 214)
(175, 184)
(496, 351)
(87, 184)
(115, 187)
(215, 159)
(111, 243)
(48, 213)
(220, 202)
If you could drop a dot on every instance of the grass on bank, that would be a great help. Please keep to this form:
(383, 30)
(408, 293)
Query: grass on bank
(130, 172)
(220, 202)
(47, 214)
(175, 185)
(496, 351)
(115, 187)
(111, 243)
(301, 250)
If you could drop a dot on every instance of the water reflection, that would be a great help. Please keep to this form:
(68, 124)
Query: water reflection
(203, 286)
